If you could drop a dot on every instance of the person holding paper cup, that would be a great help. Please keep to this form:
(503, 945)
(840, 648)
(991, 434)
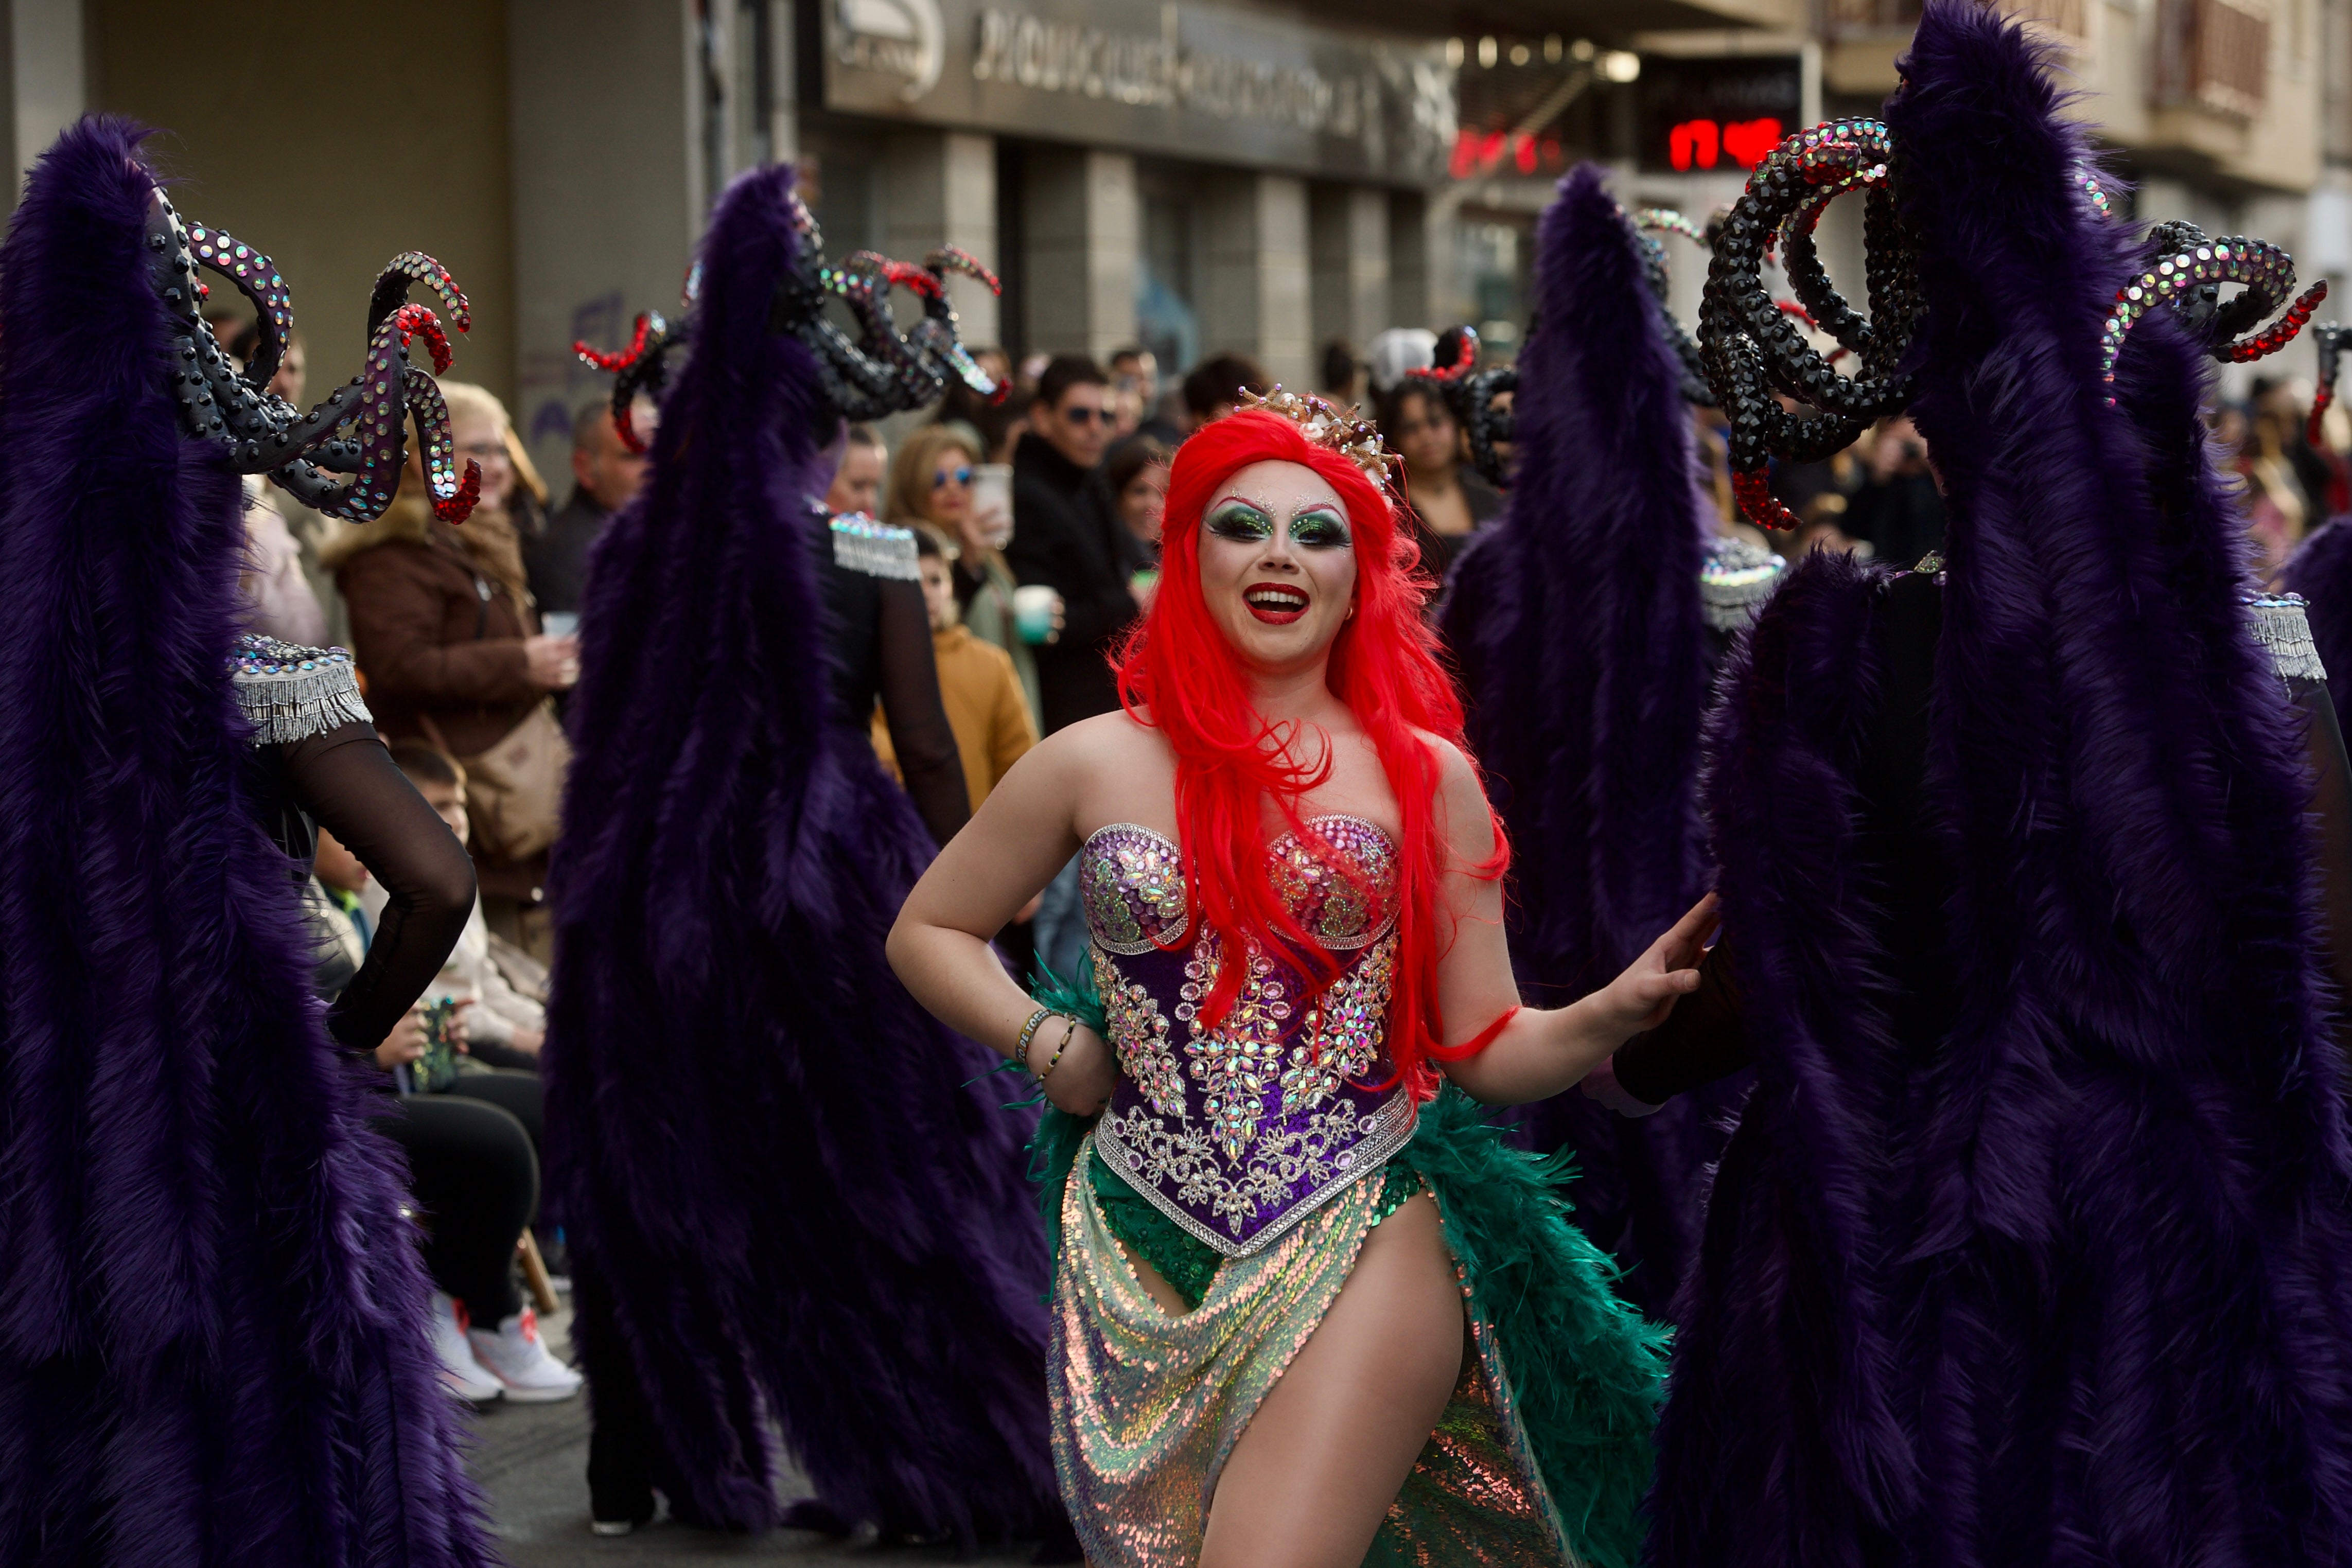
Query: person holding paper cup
(937, 481)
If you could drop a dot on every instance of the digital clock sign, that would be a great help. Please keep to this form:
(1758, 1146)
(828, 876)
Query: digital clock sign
(1718, 112)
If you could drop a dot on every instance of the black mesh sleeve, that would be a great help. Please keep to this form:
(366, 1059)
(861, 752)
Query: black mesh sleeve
(346, 780)
(1702, 1040)
(926, 746)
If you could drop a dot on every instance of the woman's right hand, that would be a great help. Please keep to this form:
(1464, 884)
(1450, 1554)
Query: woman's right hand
(1086, 1073)
(406, 1043)
(554, 661)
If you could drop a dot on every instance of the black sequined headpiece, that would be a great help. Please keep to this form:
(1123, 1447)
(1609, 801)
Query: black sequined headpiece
(1474, 399)
(261, 433)
(1751, 349)
(881, 373)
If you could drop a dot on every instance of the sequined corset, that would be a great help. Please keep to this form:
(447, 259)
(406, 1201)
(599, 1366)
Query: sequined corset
(1239, 1131)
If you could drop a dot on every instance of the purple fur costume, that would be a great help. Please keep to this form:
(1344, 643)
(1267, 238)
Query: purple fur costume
(2321, 570)
(213, 1348)
(2032, 1247)
(1575, 621)
(792, 1197)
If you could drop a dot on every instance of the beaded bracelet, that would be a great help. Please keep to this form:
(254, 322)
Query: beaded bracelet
(1069, 1032)
(1029, 1033)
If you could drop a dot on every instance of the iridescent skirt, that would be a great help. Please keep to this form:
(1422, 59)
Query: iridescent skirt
(1147, 1406)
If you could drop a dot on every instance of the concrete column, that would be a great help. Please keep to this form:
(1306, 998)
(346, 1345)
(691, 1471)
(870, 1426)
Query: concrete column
(45, 80)
(609, 171)
(1254, 293)
(1411, 264)
(939, 187)
(1348, 241)
(1081, 230)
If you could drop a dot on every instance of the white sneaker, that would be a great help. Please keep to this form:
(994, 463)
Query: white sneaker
(519, 1360)
(465, 1375)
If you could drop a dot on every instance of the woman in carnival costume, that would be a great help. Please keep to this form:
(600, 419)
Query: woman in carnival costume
(213, 1344)
(2031, 1246)
(1586, 622)
(789, 1205)
(1273, 1228)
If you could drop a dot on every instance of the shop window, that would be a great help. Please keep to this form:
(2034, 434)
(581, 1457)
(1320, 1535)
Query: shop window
(1167, 315)
(1493, 255)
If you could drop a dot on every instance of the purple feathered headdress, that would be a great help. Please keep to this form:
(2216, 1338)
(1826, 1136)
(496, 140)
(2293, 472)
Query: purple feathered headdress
(2032, 1242)
(792, 1205)
(213, 1348)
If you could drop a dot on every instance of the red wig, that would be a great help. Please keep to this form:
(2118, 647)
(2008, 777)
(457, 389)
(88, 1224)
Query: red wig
(1178, 665)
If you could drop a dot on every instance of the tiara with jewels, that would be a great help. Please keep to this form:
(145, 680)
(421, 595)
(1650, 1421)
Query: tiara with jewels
(1326, 424)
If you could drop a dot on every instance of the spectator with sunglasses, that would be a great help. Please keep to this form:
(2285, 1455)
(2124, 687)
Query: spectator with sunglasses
(1065, 537)
(930, 487)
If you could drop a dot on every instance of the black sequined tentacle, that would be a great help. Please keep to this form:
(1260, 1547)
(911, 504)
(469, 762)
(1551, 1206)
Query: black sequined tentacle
(1751, 348)
(641, 369)
(257, 277)
(2328, 338)
(404, 271)
(2186, 275)
(258, 432)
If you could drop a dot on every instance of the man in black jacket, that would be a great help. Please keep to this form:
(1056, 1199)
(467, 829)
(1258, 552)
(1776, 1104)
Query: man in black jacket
(1065, 537)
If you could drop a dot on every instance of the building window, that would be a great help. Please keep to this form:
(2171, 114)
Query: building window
(1167, 315)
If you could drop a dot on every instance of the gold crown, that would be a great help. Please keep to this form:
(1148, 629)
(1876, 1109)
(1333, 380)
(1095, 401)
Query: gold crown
(1324, 423)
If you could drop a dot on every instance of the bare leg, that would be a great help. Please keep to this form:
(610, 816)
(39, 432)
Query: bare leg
(1325, 1455)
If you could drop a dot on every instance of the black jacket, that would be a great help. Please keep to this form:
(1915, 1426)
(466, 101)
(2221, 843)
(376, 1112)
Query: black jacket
(557, 561)
(1064, 537)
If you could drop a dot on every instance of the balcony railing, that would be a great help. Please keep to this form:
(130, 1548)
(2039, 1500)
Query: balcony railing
(1867, 18)
(2214, 55)
(1841, 19)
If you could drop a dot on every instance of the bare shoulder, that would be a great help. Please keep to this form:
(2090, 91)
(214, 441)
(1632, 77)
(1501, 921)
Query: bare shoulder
(1108, 741)
(1457, 777)
(1462, 796)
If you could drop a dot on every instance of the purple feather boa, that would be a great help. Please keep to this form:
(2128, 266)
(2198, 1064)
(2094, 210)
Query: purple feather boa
(212, 1312)
(1576, 624)
(2068, 1278)
(799, 1193)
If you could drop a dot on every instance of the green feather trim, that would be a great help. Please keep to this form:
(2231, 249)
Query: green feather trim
(1053, 1152)
(1586, 1373)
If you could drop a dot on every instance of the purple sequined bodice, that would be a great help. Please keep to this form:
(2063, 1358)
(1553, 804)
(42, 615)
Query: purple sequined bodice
(1239, 1131)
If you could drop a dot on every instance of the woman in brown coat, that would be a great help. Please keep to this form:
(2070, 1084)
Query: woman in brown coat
(446, 638)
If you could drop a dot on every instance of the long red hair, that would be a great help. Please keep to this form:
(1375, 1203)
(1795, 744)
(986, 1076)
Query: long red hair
(1178, 664)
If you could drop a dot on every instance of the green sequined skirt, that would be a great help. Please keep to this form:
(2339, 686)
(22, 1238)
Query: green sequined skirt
(1542, 1456)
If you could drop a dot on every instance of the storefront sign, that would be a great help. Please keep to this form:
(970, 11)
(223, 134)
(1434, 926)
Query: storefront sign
(1192, 81)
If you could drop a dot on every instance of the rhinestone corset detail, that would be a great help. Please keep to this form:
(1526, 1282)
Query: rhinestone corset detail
(1239, 1131)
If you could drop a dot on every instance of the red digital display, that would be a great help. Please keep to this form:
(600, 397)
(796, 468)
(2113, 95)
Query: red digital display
(1705, 143)
(1478, 153)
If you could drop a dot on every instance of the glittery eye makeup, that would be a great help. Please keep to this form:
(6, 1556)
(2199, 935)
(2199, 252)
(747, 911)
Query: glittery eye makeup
(1320, 528)
(1243, 520)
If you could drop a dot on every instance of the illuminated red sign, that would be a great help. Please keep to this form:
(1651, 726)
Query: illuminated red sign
(1716, 112)
(1478, 153)
(1704, 143)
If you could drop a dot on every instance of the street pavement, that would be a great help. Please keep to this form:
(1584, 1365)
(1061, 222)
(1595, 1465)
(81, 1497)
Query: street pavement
(532, 1463)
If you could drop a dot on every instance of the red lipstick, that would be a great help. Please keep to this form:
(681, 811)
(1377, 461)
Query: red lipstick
(1274, 603)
